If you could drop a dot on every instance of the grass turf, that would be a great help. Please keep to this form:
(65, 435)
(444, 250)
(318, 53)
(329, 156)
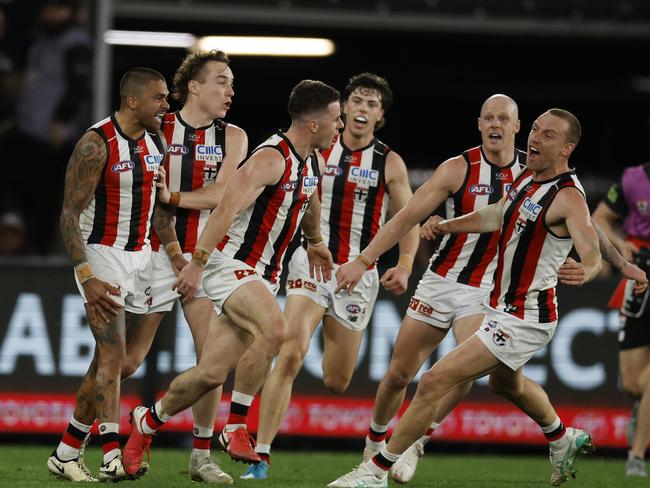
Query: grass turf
(24, 467)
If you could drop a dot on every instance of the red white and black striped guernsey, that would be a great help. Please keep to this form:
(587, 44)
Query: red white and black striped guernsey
(260, 235)
(530, 254)
(354, 197)
(193, 161)
(471, 258)
(119, 214)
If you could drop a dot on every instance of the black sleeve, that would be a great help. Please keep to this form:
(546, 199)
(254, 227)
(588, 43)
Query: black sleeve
(77, 73)
(615, 200)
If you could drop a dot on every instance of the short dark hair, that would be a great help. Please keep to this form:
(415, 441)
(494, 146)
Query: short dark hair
(373, 82)
(311, 96)
(192, 69)
(136, 79)
(575, 129)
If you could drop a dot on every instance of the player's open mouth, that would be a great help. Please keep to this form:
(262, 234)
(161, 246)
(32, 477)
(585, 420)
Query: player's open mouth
(361, 119)
(533, 150)
(160, 116)
(495, 136)
(227, 105)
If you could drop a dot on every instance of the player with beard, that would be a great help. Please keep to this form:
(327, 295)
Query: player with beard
(363, 179)
(105, 221)
(526, 394)
(268, 198)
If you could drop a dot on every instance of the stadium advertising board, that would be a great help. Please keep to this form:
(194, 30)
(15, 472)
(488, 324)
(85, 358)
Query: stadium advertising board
(46, 346)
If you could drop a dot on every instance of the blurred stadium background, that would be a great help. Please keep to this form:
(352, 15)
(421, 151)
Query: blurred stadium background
(442, 58)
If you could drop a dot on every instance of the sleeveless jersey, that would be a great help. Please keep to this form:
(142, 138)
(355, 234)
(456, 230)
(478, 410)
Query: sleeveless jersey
(260, 235)
(353, 197)
(119, 214)
(193, 161)
(530, 254)
(471, 258)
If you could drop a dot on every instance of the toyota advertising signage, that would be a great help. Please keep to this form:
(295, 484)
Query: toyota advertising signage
(46, 347)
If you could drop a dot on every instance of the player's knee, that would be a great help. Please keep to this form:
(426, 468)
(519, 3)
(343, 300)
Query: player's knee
(397, 379)
(289, 362)
(209, 379)
(129, 366)
(336, 383)
(432, 380)
(276, 334)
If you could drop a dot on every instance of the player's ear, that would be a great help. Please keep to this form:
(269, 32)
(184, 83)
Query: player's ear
(131, 101)
(193, 86)
(568, 149)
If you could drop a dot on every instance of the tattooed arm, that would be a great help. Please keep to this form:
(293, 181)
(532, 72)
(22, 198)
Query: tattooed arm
(570, 274)
(81, 179)
(611, 254)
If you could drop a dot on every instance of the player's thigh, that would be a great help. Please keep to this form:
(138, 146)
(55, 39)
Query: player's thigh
(415, 342)
(224, 344)
(198, 313)
(141, 331)
(108, 334)
(468, 361)
(464, 327)
(253, 308)
(303, 316)
(340, 347)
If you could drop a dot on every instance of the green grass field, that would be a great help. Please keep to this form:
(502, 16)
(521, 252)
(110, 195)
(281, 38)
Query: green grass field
(24, 466)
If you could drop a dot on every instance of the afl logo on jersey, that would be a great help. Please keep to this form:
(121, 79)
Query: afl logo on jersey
(353, 308)
(481, 189)
(289, 186)
(331, 170)
(123, 166)
(177, 149)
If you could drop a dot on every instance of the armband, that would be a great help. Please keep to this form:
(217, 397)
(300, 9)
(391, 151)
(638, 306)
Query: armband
(173, 248)
(314, 241)
(174, 199)
(405, 261)
(200, 256)
(363, 260)
(83, 272)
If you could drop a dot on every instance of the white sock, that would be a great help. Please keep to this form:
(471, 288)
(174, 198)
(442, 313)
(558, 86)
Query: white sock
(557, 443)
(242, 398)
(378, 471)
(65, 452)
(106, 428)
(263, 449)
(203, 433)
(110, 455)
(380, 429)
(159, 411)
